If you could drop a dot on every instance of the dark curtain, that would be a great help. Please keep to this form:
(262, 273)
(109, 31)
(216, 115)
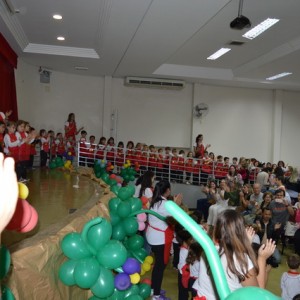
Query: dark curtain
(8, 62)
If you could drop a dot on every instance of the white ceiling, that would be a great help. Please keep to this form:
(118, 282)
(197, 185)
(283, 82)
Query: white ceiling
(158, 38)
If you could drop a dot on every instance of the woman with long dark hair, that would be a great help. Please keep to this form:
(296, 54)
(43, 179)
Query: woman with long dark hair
(159, 235)
(242, 267)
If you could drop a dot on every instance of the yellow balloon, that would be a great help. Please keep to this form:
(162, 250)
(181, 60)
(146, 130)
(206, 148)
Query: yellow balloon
(23, 191)
(142, 272)
(146, 266)
(135, 278)
(149, 260)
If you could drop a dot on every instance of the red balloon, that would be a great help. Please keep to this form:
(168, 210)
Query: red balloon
(21, 216)
(32, 222)
(146, 281)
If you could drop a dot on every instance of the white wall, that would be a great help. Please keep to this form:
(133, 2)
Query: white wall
(290, 142)
(48, 105)
(240, 121)
(154, 116)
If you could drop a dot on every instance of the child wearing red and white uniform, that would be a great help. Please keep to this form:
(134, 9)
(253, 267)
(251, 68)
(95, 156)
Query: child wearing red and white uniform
(11, 143)
(110, 150)
(24, 153)
(101, 148)
(152, 159)
(45, 147)
(120, 154)
(144, 159)
(159, 164)
(82, 148)
(174, 165)
(91, 148)
(4, 116)
(180, 162)
(129, 151)
(60, 145)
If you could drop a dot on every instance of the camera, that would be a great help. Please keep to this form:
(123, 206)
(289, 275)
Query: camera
(272, 262)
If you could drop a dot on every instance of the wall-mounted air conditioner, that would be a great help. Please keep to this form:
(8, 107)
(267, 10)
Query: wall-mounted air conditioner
(155, 83)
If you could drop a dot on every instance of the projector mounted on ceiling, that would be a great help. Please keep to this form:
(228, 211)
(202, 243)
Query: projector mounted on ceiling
(241, 21)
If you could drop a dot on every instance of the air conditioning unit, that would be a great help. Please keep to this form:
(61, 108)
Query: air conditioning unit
(155, 83)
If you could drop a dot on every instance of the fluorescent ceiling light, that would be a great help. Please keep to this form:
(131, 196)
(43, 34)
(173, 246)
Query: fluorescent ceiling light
(57, 17)
(279, 75)
(260, 28)
(61, 38)
(219, 53)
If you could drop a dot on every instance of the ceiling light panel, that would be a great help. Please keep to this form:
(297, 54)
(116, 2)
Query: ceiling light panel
(60, 38)
(218, 54)
(260, 28)
(279, 76)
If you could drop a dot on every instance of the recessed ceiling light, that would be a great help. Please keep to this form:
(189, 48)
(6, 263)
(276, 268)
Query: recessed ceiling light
(219, 53)
(279, 75)
(61, 38)
(57, 17)
(260, 28)
(79, 68)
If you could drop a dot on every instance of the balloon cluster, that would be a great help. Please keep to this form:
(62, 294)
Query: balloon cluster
(5, 261)
(56, 163)
(95, 258)
(25, 216)
(127, 172)
(68, 165)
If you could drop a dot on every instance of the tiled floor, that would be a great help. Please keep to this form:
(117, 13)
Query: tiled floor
(56, 193)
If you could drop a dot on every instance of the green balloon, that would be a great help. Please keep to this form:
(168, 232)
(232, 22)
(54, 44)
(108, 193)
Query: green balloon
(114, 218)
(131, 177)
(74, 247)
(145, 290)
(134, 297)
(140, 254)
(132, 291)
(113, 204)
(124, 209)
(7, 293)
(105, 177)
(115, 189)
(135, 203)
(66, 272)
(135, 242)
(117, 295)
(98, 174)
(124, 193)
(113, 182)
(86, 272)
(112, 255)
(251, 292)
(58, 160)
(130, 225)
(52, 164)
(104, 286)
(131, 189)
(98, 235)
(118, 232)
(5, 261)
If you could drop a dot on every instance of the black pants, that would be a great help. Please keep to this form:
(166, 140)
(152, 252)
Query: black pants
(176, 249)
(183, 293)
(21, 169)
(158, 269)
(44, 157)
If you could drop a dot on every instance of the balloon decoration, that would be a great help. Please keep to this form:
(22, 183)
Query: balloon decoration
(109, 267)
(25, 217)
(245, 293)
(56, 163)
(128, 173)
(5, 262)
